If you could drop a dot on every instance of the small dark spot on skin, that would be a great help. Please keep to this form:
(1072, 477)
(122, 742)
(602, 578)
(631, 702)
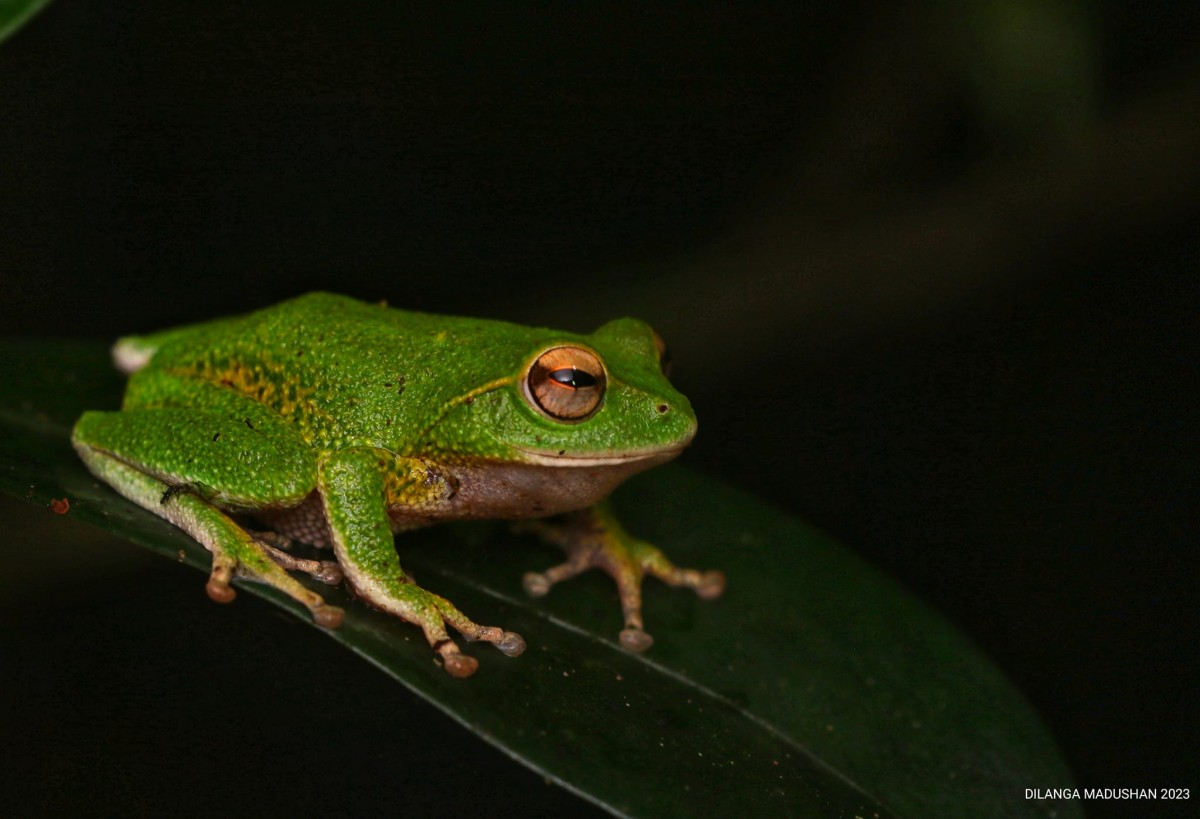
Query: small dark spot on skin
(249, 424)
(662, 408)
(470, 399)
(217, 436)
(387, 383)
(172, 491)
(60, 506)
(382, 462)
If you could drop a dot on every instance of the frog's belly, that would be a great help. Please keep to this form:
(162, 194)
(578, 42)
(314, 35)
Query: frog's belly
(483, 490)
(305, 522)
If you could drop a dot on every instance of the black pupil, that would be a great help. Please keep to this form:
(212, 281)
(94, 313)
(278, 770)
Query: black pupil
(571, 377)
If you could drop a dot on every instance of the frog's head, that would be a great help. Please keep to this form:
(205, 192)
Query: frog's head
(600, 400)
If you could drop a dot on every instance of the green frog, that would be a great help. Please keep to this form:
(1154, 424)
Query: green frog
(338, 423)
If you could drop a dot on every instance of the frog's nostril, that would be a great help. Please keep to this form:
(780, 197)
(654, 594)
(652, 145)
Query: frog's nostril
(662, 409)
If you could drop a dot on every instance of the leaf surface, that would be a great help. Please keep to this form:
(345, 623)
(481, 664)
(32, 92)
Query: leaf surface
(814, 687)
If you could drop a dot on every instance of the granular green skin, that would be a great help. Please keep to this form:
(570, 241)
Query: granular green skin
(391, 419)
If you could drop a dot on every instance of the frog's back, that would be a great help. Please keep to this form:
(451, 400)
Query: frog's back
(310, 325)
(338, 335)
(375, 371)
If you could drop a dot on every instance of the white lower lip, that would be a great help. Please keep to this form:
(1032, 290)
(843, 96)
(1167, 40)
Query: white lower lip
(550, 459)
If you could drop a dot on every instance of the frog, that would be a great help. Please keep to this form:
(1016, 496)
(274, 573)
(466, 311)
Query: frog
(337, 423)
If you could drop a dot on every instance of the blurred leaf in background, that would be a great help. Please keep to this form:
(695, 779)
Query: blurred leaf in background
(15, 13)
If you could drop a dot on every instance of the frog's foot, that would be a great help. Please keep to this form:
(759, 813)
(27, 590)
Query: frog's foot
(594, 539)
(236, 553)
(275, 544)
(410, 602)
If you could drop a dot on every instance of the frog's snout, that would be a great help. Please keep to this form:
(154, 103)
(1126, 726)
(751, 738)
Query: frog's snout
(678, 419)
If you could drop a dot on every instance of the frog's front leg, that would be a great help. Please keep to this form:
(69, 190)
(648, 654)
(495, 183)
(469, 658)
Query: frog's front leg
(357, 487)
(593, 538)
(278, 547)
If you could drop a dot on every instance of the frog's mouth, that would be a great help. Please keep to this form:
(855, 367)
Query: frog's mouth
(567, 458)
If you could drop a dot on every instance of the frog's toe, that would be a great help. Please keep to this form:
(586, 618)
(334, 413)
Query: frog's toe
(711, 585)
(330, 573)
(327, 616)
(218, 587)
(508, 642)
(536, 584)
(634, 639)
(454, 661)
(512, 644)
(220, 592)
(707, 584)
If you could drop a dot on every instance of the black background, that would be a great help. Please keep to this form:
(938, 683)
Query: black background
(928, 277)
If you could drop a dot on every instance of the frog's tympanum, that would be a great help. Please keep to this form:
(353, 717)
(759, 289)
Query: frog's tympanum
(336, 423)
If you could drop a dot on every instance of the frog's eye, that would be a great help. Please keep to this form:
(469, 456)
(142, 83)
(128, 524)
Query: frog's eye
(664, 355)
(566, 383)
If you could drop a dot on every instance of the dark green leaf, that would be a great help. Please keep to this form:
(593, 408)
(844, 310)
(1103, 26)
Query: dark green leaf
(16, 13)
(814, 687)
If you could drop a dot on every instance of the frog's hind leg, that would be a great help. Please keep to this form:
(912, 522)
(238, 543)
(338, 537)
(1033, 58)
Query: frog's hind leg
(593, 538)
(154, 458)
